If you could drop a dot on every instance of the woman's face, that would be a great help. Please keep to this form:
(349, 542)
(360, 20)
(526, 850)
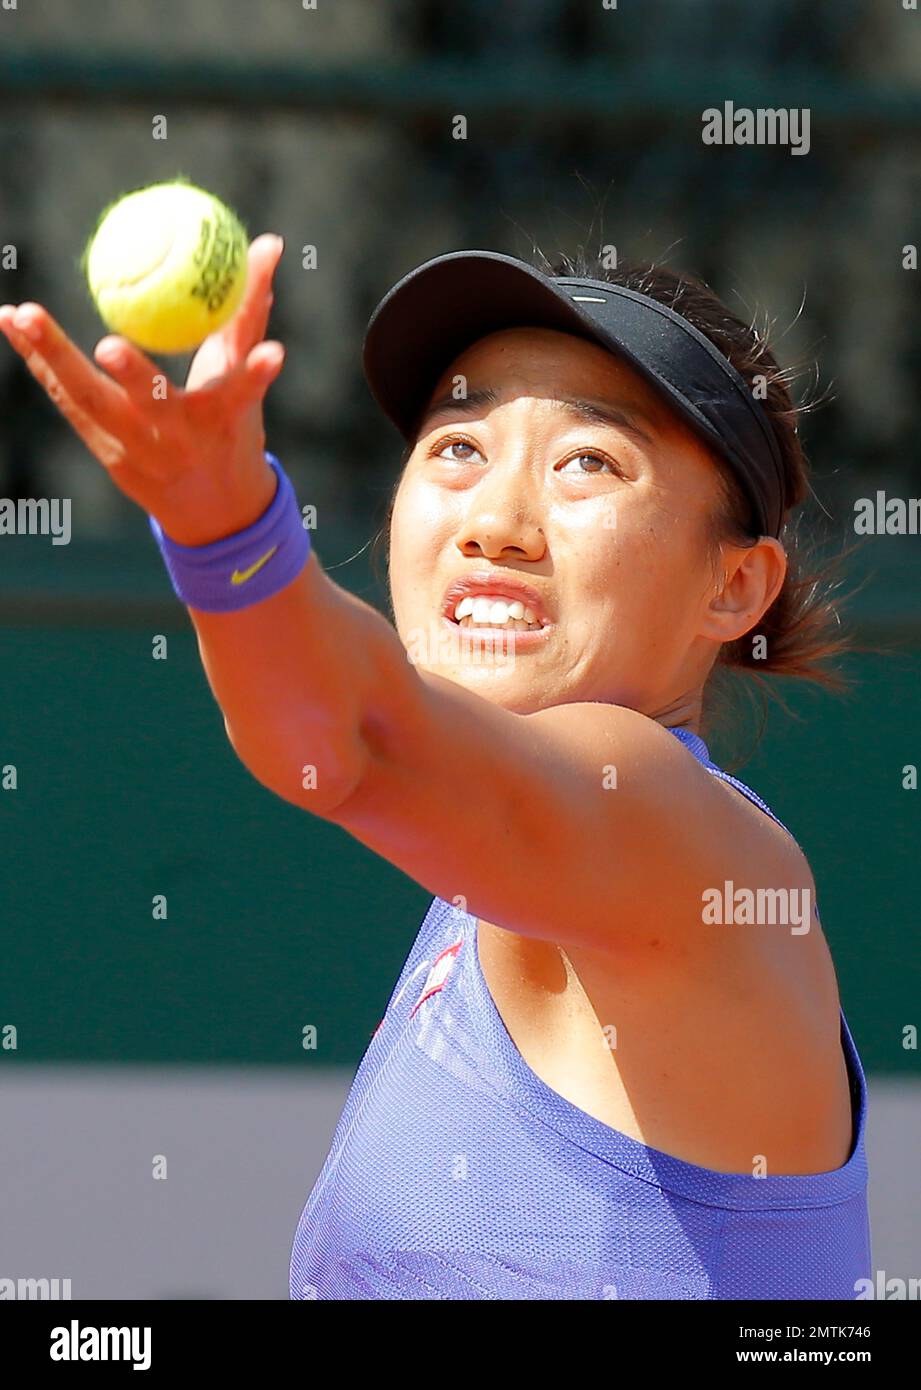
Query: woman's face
(605, 519)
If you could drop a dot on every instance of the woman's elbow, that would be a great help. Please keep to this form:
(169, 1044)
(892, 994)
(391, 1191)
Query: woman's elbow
(316, 773)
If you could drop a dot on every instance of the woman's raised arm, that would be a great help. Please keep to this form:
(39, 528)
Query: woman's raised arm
(513, 813)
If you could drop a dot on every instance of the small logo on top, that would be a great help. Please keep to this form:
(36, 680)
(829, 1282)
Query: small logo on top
(435, 979)
(241, 576)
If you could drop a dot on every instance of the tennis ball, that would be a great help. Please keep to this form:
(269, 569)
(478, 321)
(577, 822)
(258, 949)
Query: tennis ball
(166, 266)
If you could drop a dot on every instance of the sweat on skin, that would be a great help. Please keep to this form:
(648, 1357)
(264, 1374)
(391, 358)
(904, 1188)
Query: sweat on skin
(641, 621)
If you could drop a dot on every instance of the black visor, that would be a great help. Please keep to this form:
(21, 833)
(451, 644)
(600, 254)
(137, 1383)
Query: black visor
(443, 306)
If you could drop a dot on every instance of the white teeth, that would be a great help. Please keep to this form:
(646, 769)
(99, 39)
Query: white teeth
(493, 612)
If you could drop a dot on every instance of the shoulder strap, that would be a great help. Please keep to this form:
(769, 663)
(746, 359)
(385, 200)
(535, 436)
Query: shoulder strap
(696, 745)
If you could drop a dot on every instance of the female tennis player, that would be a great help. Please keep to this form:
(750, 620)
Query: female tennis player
(614, 1064)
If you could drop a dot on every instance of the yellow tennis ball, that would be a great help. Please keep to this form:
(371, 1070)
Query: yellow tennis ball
(166, 266)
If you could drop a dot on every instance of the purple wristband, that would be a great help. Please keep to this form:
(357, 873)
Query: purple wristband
(240, 570)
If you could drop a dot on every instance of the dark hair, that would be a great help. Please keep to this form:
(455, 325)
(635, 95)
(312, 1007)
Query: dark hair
(801, 630)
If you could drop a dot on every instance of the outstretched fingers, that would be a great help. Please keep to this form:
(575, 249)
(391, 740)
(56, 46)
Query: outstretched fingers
(138, 376)
(86, 397)
(263, 365)
(97, 408)
(228, 397)
(248, 325)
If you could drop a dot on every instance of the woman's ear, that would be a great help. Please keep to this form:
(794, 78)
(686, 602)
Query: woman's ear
(749, 580)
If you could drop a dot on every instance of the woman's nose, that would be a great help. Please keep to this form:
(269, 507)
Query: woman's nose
(493, 531)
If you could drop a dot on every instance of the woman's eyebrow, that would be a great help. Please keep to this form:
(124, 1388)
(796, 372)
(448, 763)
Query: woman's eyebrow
(471, 404)
(607, 413)
(593, 412)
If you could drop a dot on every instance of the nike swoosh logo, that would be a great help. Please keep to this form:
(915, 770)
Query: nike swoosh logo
(241, 576)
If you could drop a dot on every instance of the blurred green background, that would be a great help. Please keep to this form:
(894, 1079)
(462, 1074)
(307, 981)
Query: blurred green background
(129, 789)
(335, 126)
(337, 131)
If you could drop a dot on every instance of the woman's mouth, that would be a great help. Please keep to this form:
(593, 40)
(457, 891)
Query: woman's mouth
(499, 625)
(493, 613)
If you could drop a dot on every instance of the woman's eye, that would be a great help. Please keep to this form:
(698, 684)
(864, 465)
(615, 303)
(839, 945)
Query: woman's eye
(446, 450)
(455, 444)
(595, 458)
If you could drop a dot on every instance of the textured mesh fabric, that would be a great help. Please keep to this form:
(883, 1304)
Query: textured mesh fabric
(455, 1172)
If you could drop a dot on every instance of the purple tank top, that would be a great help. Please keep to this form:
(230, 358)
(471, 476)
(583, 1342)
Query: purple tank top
(455, 1172)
